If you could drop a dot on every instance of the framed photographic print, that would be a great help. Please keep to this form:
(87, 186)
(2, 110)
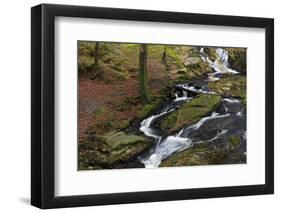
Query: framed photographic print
(140, 106)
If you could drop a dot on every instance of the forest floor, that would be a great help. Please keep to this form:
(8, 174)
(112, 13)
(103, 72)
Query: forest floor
(116, 101)
(94, 94)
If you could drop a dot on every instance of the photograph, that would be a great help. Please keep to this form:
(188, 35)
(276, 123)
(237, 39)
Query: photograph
(144, 105)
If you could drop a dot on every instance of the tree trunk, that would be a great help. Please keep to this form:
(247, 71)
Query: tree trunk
(164, 55)
(143, 85)
(164, 61)
(96, 63)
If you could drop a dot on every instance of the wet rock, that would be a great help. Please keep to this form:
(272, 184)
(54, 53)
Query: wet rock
(193, 52)
(191, 60)
(230, 86)
(231, 106)
(190, 112)
(193, 68)
(117, 140)
(113, 150)
(198, 70)
(211, 128)
(230, 149)
(199, 155)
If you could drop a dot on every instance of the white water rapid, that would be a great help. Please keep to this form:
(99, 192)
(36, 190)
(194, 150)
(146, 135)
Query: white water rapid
(220, 65)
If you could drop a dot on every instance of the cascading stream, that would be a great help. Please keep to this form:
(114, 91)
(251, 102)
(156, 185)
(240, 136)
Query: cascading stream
(220, 65)
(166, 145)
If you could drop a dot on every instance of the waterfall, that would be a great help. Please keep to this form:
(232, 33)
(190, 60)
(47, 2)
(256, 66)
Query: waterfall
(166, 147)
(222, 56)
(146, 125)
(195, 90)
(220, 65)
(183, 98)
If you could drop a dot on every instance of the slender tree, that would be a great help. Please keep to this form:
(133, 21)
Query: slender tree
(96, 63)
(164, 55)
(165, 62)
(143, 84)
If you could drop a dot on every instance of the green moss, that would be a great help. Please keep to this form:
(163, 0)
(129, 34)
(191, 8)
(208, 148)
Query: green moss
(101, 111)
(194, 156)
(147, 109)
(184, 158)
(234, 86)
(206, 154)
(104, 124)
(85, 64)
(174, 56)
(117, 139)
(111, 150)
(234, 140)
(123, 124)
(109, 124)
(190, 112)
(197, 69)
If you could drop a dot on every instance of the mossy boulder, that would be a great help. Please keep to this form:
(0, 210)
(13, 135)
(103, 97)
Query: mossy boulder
(194, 68)
(119, 139)
(113, 150)
(190, 112)
(191, 60)
(226, 150)
(237, 59)
(195, 156)
(230, 86)
(198, 70)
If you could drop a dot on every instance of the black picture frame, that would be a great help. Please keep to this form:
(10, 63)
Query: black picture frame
(43, 102)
